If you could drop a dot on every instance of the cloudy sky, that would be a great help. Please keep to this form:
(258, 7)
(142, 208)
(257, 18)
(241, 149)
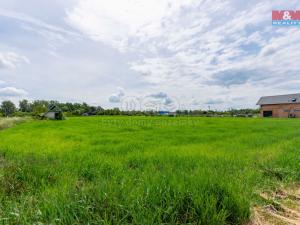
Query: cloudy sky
(182, 53)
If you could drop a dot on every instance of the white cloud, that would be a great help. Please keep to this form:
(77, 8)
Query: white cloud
(10, 60)
(216, 101)
(159, 101)
(117, 97)
(162, 97)
(115, 22)
(155, 101)
(12, 92)
(55, 35)
(159, 95)
(36, 22)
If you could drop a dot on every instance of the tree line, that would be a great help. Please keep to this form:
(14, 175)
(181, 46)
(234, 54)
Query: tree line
(217, 113)
(38, 107)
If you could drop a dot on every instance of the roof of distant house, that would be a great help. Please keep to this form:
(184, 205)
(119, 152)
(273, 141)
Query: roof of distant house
(54, 108)
(279, 99)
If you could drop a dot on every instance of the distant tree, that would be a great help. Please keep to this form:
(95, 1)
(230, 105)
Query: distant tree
(7, 108)
(85, 107)
(66, 107)
(25, 106)
(99, 110)
(39, 109)
(43, 103)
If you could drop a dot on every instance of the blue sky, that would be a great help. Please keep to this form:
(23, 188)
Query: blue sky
(166, 54)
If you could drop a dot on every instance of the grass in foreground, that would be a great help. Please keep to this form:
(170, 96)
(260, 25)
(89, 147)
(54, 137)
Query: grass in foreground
(135, 170)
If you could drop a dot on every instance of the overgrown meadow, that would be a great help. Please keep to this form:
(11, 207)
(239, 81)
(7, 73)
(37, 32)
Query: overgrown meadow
(143, 170)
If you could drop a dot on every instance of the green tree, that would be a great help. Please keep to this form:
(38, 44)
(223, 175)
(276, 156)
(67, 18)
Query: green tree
(25, 106)
(43, 103)
(8, 108)
(37, 110)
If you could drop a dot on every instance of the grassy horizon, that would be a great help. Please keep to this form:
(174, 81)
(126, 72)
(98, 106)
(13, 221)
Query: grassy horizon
(143, 170)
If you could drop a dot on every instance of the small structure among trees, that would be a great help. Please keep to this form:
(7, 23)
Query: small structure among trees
(54, 113)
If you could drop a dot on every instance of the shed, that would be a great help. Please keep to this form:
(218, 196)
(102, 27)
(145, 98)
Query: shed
(54, 113)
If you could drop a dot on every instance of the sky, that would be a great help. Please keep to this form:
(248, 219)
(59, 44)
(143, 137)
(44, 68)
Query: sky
(141, 54)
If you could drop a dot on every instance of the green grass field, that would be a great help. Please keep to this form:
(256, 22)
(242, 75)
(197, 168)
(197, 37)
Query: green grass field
(138, 170)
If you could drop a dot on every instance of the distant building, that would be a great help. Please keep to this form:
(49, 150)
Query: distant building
(280, 106)
(164, 113)
(54, 113)
(167, 113)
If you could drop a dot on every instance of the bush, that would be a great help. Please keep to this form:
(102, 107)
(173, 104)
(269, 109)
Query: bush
(21, 114)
